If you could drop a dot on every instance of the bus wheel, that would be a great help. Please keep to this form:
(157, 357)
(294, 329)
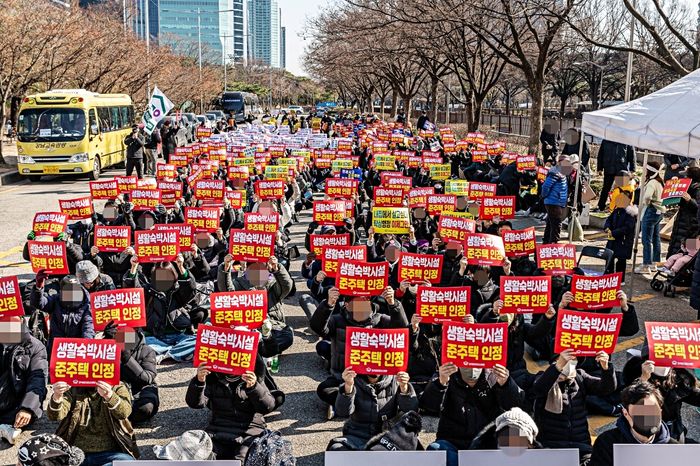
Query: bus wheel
(95, 174)
(34, 178)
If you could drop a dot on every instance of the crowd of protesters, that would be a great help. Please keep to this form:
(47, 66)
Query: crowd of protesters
(504, 406)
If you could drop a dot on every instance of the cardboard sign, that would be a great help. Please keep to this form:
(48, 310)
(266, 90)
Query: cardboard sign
(329, 212)
(341, 188)
(154, 246)
(332, 255)
(165, 171)
(586, 332)
(391, 220)
(526, 163)
(524, 295)
(77, 209)
(388, 197)
(674, 189)
(525, 457)
(484, 249)
(376, 351)
(456, 228)
(474, 345)
(457, 187)
(203, 218)
(269, 189)
(497, 206)
(479, 190)
(226, 350)
(145, 199)
(519, 243)
(125, 306)
(210, 189)
(556, 259)
(49, 223)
(438, 203)
(111, 238)
(254, 221)
(440, 171)
(673, 344)
(444, 304)
(81, 362)
(418, 197)
(239, 308)
(10, 298)
(318, 242)
(251, 246)
(362, 278)
(50, 257)
(595, 292)
(185, 230)
(104, 190)
(126, 183)
(417, 268)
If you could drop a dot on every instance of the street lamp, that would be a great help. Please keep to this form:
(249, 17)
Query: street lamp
(602, 70)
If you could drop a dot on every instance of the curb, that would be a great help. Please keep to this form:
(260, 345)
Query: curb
(10, 178)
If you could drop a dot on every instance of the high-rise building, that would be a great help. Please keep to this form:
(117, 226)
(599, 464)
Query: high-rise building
(283, 47)
(136, 12)
(264, 32)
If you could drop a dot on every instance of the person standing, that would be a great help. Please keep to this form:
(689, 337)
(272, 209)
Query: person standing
(134, 152)
(613, 158)
(167, 136)
(151, 151)
(550, 147)
(555, 192)
(652, 211)
(674, 164)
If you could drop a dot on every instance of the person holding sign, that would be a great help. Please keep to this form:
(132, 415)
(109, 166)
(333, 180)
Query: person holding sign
(686, 224)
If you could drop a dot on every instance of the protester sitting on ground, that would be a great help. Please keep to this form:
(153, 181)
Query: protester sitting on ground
(512, 429)
(91, 279)
(48, 450)
(74, 253)
(23, 373)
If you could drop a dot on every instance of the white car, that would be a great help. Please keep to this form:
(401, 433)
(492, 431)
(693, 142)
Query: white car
(298, 109)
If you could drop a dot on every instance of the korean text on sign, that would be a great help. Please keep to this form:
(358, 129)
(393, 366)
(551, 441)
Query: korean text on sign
(391, 220)
(80, 362)
(329, 212)
(519, 243)
(239, 308)
(481, 190)
(209, 189)
(587, 333)
(269, 189)
(145, 199)
(497, 206)
(675, 187)
(673, 344)
(125, 306)
(436, 305)
(474, 345)
(49, 223)
(111, 238)
(595, 292)
(203, 218)
(362, 278)
(156, 246)
(10, 298)
(556, 259)
(332, 255)
(254, 221)
(104, 190)
(51, 257)
(376, 351)
(526, 294)
(418, 268)
(318, 242)
(439, 203)
(418, 197)
(341, 188)
(456, 228)
(226, 350)
(251, 246)
(484, 249)
(388, 197)
(185, 230)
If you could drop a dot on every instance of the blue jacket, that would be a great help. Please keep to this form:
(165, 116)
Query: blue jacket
(555, 188)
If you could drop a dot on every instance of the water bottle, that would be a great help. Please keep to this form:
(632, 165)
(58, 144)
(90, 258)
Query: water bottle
(275, 364)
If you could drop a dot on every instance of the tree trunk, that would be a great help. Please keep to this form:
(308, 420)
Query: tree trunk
(478, 104)
(562, 109)
(383, 101)
(537, 93)
(470, 111)
(434, 98)
(370, 102)
(407, 101)
(2, 127)
(394, 102)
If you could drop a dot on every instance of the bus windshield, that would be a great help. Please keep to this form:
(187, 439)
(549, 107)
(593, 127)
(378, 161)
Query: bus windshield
(51, 124)
(232, 102)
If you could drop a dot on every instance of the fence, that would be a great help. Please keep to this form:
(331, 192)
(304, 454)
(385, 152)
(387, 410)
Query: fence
(520, 124)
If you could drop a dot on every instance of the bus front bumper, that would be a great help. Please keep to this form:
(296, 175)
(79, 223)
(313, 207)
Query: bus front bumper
(61, 168)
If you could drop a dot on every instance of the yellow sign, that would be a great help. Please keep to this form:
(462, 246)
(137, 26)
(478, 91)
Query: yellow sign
(385, 162)
(341, 164)
(276, 172)
(391, 220)
(440, 171)
(457, 187)
(458, 214)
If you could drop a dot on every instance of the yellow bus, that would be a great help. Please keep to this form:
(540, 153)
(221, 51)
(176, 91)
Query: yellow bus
(72, 131)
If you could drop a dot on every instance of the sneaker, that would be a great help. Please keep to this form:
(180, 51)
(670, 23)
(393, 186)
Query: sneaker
(653, 269)
(9, 433)
(642, 269)
(521, 213)
(330, 414)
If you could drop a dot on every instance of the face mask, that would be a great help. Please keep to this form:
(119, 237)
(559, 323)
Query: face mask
(646, 425)
(470, 373)
(569, 371)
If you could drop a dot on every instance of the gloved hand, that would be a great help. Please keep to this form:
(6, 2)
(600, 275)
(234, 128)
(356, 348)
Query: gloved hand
(110, 330)
(128, 207)
(31, 236)
(313, 226)
(126, 355)
(266, 328)
(62, 236)
(41, 276)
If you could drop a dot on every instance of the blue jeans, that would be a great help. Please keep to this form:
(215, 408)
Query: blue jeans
(105, 458)
(444, 445)
(651, 238)
(178, 346)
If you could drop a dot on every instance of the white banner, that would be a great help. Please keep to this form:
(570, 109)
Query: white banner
(158, 107)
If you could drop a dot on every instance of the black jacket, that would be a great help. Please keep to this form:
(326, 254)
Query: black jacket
(614, 157)
(621, 223)
(138, 365)
(686, 224)
(134, 146)
(621, 434)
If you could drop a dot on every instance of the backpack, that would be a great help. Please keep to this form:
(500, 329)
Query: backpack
(270, 449)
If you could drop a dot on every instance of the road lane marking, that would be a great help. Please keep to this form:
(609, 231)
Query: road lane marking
(11, 251)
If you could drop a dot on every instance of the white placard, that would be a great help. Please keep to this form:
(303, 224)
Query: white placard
(654, 455)
(384, 458)
(519, 457)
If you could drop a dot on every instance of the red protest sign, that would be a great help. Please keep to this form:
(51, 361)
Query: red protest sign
(226, 350)
(519, 243)
(125, 306)
(418, 197)
(156, 246)
(254, 221)
(362, 278)
(474, 345)
(479, 156)
(50, 257)
(595, 292)
(376, 351)
(203, 218)
(126, 183)
(484, 249)
(165, 171)
(341, 188)
(202, 132)
(443, 304)
(238, 173)
(269, 189)
(77, 209)
(209, 189)
(10, 298)
(497, 206)
(81, 362)
(542, 174)
(332, 255)
(522, 295)
(318, 242)
(438, 203)
(388, 197)
(185, 230)
(104, 190)
(675, 187)
(417, 268)
(329, 212)
(556, 259)
(49, 223)
(145, 199)
(239, 308)
(170, 192)
(586, 332)
(526, 163)
(251, 246)
(674, 344)
(391, 181)
(479, 190)
(237, 198)
(456, 228)
(111, 238)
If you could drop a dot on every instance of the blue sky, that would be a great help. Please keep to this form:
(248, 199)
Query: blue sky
(294, 14)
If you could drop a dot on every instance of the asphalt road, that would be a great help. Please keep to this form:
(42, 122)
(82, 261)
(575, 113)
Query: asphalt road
(302, 418)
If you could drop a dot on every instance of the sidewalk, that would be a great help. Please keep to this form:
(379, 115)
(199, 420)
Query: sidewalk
(8, 172)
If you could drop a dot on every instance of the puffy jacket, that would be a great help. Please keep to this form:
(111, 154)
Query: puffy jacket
(65, 323)
(621, 434)
(614, 157)
(371, 407)
(621, 223)
(139, 370)
(686, 224)
(555, 188)
(328, 324)
(570, 428)
(134, 146)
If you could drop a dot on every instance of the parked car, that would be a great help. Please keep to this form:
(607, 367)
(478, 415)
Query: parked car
(219, 114)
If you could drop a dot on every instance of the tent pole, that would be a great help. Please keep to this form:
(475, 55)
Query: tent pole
(630, 289)
(575, 213)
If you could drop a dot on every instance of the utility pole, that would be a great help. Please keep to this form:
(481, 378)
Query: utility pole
(148, 49)
(199, 46)
(630, 58)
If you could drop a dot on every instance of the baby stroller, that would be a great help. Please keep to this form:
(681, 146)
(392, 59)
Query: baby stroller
(667, 281)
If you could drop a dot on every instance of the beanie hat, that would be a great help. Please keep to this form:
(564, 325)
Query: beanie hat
(193, 445)
(86, 272)
(403, 436)
(516, 417)
(47, 446)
